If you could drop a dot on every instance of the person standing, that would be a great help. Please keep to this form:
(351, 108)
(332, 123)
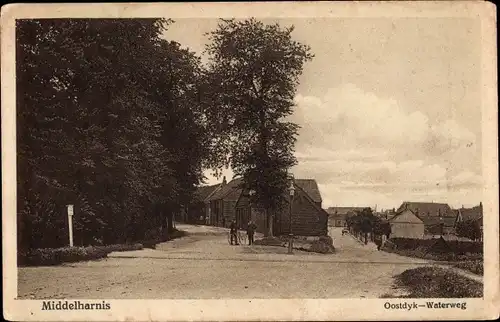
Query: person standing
(234, 232)
(251, 231)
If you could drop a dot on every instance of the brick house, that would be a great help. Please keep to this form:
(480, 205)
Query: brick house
(337, 216)
(308, 218)
(438, 218)
(406, 224)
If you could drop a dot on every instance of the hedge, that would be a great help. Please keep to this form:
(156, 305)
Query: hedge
(458, 247)
(435, 282)
(56, 256)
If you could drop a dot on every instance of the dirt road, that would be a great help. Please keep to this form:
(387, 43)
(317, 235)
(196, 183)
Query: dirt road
(204, 265)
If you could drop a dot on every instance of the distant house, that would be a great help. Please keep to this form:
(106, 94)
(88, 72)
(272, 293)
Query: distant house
(221, 204)
(438, 218)
(198, 209)
(338, 215)
(406, 224)
(308, 218)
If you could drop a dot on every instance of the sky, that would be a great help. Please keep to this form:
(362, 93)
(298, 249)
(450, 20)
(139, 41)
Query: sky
(389, 108)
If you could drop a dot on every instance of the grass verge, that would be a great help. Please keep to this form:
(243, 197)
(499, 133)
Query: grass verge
(474, 266)
(435, 282)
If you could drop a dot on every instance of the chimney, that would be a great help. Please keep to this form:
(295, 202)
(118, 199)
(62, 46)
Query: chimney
(224, 180)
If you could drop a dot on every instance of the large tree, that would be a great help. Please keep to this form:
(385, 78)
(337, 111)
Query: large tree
(254, 70)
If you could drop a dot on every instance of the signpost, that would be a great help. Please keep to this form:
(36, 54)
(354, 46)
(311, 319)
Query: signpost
(70, 224)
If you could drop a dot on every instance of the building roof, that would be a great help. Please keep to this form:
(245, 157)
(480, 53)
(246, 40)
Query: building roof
(344, 210)
(204, 192)
(413, 219)
(431, 222)
(233, 189)
(427, 209)
(310, 187)
(229, 191)
(435, 221)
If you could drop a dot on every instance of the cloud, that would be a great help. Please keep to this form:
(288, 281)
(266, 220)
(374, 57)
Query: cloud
(361, 146)
(349, 117)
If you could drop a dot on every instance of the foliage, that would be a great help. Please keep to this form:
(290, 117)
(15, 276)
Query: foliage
(424, 248)
(434, 282)
(459, 247)
(473, 266)
(469, 228)
(253, 74)
(364, 222)
(109, 118)
(323, 245)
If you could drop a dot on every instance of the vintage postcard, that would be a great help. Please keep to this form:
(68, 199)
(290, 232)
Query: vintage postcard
(250, 161)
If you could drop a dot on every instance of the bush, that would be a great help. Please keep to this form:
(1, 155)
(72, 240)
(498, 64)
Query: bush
(434, 249)
(269, 241)
(323, 246)
(56, 256)
(434, 282)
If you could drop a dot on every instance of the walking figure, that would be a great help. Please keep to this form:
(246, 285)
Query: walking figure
(251, 231)
(234, 232)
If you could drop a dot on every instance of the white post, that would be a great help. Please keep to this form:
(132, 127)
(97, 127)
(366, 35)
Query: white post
(70, 224)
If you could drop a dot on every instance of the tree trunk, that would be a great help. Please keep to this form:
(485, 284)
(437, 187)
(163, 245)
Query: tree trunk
(170, 221)
(164, 228)
(269, 224)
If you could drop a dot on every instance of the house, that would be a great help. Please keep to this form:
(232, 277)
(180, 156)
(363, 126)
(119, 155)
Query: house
(338, 215)
(307, 216)
(221, 204)
(438, 218)
(197, 211)
(406, 224)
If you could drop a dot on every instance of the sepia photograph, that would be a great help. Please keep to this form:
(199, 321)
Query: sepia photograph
(219, 157)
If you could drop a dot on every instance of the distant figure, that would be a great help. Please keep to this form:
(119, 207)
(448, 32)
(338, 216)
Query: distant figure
(344, 231)
(224, 222)
(234, 232)
(251, 231)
